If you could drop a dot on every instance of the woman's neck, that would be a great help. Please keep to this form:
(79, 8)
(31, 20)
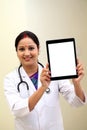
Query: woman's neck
(30, 70)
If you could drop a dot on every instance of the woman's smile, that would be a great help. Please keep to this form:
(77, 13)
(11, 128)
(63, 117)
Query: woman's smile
(27, 58)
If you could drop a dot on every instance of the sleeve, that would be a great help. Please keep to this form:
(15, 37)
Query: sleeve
(17, 104)
(66, 88)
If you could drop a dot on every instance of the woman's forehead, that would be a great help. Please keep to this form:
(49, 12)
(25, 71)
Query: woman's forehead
(26, 41)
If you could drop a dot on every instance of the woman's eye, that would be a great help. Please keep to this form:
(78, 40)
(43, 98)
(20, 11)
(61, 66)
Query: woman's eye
(31, 48)
(21, 49)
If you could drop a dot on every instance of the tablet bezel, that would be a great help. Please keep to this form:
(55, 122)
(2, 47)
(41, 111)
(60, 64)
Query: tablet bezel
(58, 41)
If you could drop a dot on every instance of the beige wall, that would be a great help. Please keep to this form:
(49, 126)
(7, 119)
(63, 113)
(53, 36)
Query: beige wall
(49, 19)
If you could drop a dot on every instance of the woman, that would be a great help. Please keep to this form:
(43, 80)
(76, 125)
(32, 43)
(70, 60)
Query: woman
(35, 105)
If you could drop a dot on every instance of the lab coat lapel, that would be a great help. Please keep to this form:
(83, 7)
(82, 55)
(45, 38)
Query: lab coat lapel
(39, 72)
(26, 78)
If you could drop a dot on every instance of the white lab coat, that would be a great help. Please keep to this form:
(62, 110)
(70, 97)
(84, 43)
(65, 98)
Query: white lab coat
(47, 114)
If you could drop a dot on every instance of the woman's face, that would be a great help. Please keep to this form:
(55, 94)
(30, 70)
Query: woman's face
(27, 52)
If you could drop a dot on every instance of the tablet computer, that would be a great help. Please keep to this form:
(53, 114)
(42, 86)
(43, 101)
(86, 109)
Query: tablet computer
(61, 55)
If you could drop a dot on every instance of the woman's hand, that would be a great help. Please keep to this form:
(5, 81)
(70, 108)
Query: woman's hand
(78, 89)
(36, 96)
(45, 76)
(80, 72)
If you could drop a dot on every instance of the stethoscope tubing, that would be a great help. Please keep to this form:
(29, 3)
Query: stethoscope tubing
(23, 82)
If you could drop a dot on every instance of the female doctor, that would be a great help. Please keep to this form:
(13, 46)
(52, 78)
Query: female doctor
(33, 98)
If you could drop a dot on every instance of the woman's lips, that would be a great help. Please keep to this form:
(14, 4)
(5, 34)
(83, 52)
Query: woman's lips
(27, 58)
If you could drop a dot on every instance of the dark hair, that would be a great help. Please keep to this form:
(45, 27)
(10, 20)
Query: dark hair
(25, 34)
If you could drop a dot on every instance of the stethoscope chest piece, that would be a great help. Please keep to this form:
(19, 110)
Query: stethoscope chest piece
(48, 90)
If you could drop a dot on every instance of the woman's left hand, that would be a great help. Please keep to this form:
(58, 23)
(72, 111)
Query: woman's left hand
(80, 71)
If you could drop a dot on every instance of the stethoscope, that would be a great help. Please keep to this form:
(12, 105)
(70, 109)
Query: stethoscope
(25, 83)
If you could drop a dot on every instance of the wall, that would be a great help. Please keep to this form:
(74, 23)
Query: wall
(49, 20)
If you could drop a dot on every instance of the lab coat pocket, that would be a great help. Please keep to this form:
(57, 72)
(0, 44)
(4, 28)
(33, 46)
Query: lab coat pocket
(51, 98)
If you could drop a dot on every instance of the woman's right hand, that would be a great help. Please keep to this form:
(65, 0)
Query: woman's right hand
(45, 76)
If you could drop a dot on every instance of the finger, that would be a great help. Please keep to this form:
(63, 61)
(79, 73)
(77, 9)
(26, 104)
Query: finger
(81, 72)
(80, 67)
(45, 72)
(47, 66)
(77, 60)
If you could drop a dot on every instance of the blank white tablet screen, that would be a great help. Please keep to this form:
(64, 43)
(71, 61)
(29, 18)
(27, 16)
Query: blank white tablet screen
(62, 59)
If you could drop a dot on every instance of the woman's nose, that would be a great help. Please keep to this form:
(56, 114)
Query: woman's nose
(27, 52)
